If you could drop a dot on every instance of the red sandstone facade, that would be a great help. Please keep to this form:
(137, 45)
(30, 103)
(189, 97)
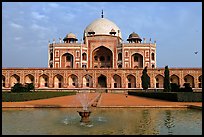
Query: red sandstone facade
(97, 78)
(101, 60)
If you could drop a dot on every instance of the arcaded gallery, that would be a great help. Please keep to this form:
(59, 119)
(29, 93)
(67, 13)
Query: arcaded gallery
(103, 59)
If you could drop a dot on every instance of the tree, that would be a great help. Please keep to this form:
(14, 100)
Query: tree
(167, 86)
(145, 79)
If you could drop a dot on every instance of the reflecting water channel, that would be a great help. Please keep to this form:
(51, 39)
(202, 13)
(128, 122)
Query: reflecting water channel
(103, 121)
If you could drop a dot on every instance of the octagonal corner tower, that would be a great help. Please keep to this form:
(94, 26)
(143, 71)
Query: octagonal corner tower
(102, 26)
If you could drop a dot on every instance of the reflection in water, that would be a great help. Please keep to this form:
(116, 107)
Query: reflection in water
(111, 121)
(169, 121)
(146, 124)
(101, 119)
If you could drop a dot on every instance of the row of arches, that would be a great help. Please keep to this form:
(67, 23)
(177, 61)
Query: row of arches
(175, 79)
(72, 81)
(58, 81)
(102, 57)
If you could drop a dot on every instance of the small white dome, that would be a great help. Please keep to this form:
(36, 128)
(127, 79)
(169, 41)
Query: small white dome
(102, 26)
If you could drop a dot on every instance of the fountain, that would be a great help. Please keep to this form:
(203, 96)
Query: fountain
(85, 102)
(84, 116)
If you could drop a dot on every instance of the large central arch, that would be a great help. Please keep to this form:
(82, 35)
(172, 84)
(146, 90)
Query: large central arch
(102, 57)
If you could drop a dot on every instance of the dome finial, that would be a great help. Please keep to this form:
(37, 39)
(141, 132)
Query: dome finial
(102, 14)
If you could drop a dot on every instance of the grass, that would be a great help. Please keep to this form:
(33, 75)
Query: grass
(27, 96)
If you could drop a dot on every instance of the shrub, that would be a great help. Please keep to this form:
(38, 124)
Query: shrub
(18, 87)
(174, 87)
(29, 86)
(187, 87)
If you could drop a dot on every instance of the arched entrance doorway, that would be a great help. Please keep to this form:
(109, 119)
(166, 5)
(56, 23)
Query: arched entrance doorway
(102, 57)
(189, 79)
(58, 81)
(67, 60)
(116, 81)
(137, 60)
(131, 82)
(200, 81)
(159, 81)
(102, 81)
(14, 79)
(43, 81)
(73, 81)
(87, 81)
(29, 78)
(174, 79)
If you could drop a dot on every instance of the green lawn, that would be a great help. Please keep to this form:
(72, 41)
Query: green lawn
(26, 96)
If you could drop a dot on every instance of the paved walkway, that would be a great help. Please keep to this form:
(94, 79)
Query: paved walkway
(122, 100)
(101, 100)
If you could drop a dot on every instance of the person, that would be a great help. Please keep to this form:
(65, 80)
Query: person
(126, 94)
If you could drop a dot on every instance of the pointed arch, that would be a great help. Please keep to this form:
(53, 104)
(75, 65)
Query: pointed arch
(84, 56)
(200, 81)
(58, 81)
(67, 60)
(131, 81)
(29, 78)
(137, 60)
(159, 81)
(189, 79)
(174, 79)
(73, 81)
(14, 79)
(102, 81)
(102, 57)
(116, 81)
(87, 81)
(152, 55)
(43, 81)
(120, 56)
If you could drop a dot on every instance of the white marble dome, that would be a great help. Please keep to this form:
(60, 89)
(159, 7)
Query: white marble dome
(102, 26)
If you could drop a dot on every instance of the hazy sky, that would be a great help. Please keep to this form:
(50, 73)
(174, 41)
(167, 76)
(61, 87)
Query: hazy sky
(28, 26)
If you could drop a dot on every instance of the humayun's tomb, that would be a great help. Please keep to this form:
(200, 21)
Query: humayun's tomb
(101, 61)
